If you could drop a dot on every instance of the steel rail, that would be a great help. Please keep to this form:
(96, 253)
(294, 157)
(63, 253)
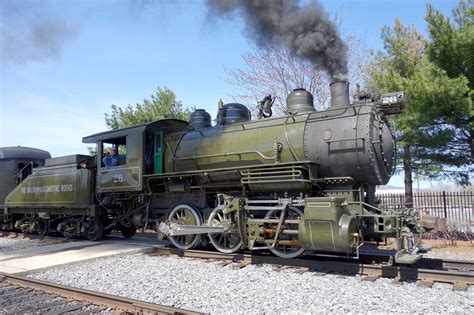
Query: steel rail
(460, 279)
(458, 265)
(116, 302)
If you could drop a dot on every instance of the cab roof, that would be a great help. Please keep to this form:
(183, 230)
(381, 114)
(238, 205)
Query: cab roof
(165, 125)
(19, 152)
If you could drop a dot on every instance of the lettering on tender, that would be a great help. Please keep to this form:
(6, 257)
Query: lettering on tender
(47, 189)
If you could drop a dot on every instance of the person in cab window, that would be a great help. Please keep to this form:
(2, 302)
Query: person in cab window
(113, 158)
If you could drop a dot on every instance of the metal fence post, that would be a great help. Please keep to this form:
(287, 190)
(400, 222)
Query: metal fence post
(444, 205)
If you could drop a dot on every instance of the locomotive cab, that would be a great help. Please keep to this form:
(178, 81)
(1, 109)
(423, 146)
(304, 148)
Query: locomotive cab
(140, 152)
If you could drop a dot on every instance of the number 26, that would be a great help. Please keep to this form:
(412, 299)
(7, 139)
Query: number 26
(118, 178)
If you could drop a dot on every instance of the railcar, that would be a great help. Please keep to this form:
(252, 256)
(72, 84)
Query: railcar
(303, 181)
(16, 164)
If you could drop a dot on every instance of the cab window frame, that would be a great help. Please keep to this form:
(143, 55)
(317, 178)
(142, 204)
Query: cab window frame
(106, 146)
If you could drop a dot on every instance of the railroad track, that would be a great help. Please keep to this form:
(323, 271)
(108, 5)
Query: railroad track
(372, 266)
(460, 273)
(25, 295)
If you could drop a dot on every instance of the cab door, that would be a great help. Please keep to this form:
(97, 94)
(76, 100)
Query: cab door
(158, 154)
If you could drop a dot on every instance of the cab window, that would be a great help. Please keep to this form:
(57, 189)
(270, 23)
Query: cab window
(114, 152)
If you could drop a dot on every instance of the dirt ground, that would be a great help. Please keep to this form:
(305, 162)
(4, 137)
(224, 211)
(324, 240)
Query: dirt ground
(462, 250)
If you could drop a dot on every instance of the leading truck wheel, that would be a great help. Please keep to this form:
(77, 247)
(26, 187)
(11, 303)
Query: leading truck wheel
(284, 247)
(185, 215)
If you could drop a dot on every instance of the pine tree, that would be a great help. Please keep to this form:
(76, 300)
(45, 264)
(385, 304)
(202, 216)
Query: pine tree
(452, 49)
(430, 131)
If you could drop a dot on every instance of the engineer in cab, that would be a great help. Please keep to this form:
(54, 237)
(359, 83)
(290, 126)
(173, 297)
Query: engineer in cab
(113, 159)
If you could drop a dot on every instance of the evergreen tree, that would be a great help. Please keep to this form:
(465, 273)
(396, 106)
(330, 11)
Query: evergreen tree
(161, 105)
(452, 48)
(430, 131)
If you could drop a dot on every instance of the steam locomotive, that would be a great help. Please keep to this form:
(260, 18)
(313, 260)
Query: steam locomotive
(304, 181)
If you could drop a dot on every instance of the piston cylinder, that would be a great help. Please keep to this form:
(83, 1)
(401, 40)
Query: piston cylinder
(328, 226)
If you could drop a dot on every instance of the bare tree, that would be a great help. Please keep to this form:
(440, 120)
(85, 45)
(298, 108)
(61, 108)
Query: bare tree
(275, 70)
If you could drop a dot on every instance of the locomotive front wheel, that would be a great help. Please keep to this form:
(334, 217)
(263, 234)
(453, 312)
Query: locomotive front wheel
(283, 250)
(230, 241)
(185, 215)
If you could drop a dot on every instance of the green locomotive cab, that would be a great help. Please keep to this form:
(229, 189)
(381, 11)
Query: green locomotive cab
(120, 188)
(140, 152)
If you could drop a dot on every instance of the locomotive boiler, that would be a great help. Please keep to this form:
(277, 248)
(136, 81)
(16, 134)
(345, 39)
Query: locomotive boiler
(303, 181)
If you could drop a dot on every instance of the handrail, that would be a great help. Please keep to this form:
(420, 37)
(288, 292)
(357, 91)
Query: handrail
(21, 171)
(224, 154)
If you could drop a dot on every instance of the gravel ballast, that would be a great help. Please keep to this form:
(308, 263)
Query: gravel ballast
(11, 244)
(207, 287)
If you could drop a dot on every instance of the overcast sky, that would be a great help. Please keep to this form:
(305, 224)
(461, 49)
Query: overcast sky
(63, 63)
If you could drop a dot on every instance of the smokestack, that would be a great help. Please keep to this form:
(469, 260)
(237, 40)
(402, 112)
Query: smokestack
(339, 94)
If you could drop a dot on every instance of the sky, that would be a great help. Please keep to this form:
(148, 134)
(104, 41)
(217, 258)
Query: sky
(55, 90)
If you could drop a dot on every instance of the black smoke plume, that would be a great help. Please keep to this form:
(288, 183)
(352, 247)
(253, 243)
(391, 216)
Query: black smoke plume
(306, 31)
(31, 31)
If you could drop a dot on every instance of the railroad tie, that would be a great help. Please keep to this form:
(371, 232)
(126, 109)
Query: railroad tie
(397, 281)
(458, 286)
(302, 270)
(236, 266)
(43, 306)
(425, 284)
(282, 268)
(65, 309)
(319, 274)
(370, 278)
(223, 263)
